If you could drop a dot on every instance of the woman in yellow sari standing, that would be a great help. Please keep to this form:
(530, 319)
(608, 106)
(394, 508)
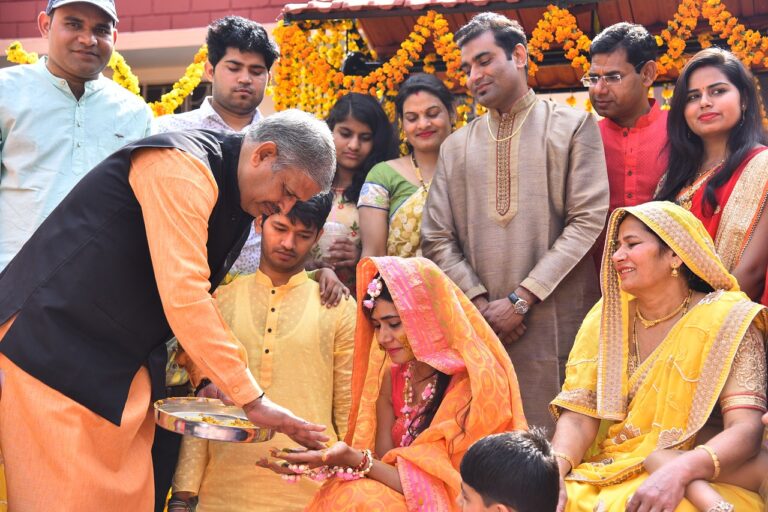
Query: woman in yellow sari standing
(672, 341)
(429, 378)
(394, 193)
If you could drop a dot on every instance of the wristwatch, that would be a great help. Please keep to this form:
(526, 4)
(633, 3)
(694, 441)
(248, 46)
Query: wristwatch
(520, 305)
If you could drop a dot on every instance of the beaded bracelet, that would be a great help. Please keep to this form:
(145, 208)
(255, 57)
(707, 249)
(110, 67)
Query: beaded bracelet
(715, 460)
(565, 457)
(325, 472)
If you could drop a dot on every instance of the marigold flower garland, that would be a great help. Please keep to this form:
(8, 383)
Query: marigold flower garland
(678, 30)
(122, 74)
(748, 45)
(18, 55)
(171, 100)
(308, 75)
(558, 25)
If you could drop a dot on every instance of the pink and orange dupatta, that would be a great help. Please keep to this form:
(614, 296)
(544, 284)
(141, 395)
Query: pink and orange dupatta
(447, 332)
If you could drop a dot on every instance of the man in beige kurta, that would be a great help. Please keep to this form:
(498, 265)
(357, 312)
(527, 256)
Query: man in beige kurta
(518, 199)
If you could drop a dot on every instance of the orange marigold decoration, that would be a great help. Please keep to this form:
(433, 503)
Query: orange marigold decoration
(748, 45)
(678, 30)
(666, 92)
(308, 75)
(558, 26)
(171, 100)
(704, 39)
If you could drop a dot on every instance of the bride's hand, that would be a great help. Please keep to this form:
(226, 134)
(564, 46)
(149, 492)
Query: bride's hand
(340, 454)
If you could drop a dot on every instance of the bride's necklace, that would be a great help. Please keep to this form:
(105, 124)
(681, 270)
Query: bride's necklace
(520, 127)
(411, 412)
(652, 323)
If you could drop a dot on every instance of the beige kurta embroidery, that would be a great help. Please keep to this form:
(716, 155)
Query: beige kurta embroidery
(557, 202)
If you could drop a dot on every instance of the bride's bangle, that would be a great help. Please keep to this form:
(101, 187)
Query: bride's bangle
(365, 465)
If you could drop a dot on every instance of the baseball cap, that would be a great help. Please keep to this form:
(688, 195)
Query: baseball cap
(108, 6)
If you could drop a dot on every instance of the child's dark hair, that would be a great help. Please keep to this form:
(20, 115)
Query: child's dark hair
(516, 469)
(313, 212)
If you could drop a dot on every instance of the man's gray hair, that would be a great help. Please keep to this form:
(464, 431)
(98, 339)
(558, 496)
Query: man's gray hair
(303, 142)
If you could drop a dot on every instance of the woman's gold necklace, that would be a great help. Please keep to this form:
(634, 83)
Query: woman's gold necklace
(490, 132)
(685, 197)
(652, 323)
(418, 172)
(634, 359)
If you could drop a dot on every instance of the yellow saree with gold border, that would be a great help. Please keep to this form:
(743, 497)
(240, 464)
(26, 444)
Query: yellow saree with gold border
(669, 398)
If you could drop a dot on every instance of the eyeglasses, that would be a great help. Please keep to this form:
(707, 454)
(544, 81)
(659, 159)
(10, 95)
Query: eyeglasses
(609, 80)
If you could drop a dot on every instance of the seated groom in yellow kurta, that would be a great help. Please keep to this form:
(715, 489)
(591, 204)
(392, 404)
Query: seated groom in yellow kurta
(299, 351)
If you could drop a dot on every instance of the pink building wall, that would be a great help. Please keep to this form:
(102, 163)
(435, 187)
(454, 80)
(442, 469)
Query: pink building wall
(18, 18)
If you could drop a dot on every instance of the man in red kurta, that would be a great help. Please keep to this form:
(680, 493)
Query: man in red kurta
(634, 128)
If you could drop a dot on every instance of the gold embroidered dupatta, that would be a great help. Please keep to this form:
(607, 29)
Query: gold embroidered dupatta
(742, 210)
(404, 238)
(446, 331)
(672, 394)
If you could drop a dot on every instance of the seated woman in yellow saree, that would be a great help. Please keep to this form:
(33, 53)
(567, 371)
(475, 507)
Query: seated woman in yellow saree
(672, 341)
(429, 378)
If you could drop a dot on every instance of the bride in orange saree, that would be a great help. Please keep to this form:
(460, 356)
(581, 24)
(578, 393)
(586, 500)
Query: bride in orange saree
(429, 378)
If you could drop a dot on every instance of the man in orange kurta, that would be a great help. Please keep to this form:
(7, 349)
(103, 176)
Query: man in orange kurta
(63, 446)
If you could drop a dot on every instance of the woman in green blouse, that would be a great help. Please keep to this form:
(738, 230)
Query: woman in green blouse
(393, 196)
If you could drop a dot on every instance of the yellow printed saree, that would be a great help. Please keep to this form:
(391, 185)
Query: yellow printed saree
(667, 401)
(386, 189)
(447, 332)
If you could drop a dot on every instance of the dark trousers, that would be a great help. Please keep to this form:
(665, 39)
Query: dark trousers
(165, 453)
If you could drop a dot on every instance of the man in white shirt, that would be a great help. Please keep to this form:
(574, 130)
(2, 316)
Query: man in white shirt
(60, 117)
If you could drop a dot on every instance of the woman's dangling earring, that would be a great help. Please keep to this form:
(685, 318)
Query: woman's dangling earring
(675, 273)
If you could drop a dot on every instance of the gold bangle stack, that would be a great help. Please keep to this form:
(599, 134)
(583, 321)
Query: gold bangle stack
(715, 460)
(566, 458)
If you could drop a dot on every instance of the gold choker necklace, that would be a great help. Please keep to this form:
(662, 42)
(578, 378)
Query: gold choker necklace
(652, 323)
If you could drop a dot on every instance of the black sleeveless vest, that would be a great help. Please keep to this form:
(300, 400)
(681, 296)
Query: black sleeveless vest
(83, 287)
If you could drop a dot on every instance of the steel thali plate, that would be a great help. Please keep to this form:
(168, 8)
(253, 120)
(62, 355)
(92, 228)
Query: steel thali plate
(208, 418)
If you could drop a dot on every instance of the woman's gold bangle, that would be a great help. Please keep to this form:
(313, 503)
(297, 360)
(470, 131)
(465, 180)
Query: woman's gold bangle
(715, 460)
(566, 458)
